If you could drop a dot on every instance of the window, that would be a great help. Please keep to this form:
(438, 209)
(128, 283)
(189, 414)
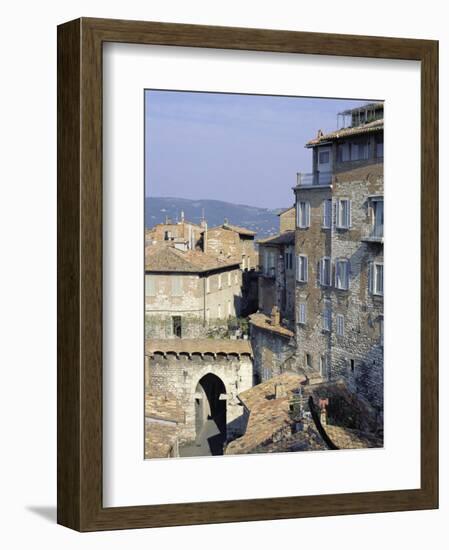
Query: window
(309, 364)
(352, 365)
(302, 314)
(229, 278)
(327, 319)
(303, 214)
(380, 148)
(167, 235)
(376, 279)
(176, 286)
(288, 260)
(323, 365)
(378, 218)
(302, 269)
(344, 214)
(327, 214)
(271, 264)
(323, 157)
(342, 274)
(177, 326)
(219, 281)
(324, 272)
(359, 151)
(381, 331)
(344, 152)
(340, 325)
(150, 285)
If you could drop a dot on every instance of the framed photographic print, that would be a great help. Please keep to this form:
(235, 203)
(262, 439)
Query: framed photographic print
(247, 274)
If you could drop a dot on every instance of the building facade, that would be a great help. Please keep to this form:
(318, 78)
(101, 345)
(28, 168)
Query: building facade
(339, 255)
(187, 292)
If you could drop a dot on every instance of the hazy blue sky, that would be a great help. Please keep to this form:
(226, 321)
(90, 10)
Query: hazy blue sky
(244, 149)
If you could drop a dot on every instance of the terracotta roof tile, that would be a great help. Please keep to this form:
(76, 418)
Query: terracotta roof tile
(288, 237)
(374, 126)
(168, 259)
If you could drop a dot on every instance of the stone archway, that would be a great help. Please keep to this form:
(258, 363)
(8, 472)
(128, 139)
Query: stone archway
(210, 411)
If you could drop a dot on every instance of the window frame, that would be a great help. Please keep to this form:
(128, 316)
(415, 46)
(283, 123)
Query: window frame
(338, 216)
(299, 259)
(345, 261)
(299, 211)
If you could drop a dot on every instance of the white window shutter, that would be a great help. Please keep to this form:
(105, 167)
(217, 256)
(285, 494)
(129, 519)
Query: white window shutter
(370, 277)
(306, 269)
(349, 214)
(307, 205)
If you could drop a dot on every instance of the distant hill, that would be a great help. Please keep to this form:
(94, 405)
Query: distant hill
(263, 221)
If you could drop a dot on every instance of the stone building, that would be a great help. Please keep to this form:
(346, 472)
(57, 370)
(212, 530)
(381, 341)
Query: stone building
(339, 254)
(287, 219)
(182, 234)
(205, 375)
(189, 292)
(163, 416)
(232, 241)
(277, 275)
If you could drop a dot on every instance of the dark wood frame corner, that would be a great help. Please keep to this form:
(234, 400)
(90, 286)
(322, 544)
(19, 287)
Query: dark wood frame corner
(80, 274)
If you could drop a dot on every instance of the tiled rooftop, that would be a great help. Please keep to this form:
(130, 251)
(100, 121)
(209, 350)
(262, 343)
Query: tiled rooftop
(263, 321)
(374, 126)
(288, 237)
(165, 259)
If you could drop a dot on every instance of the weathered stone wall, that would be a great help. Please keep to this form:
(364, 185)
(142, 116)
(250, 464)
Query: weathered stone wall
(181, 375)
(287, 220)
(202, 301)
(221, 241)
(358, 354)
(185, 231)
(272, 353)
(315, 243)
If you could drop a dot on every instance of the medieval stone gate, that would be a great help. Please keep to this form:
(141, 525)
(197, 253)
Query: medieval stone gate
(205, 376)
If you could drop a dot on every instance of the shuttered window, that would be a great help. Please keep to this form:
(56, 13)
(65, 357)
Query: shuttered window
(327, 214)
(302, 269)
(342, 274)
(176, 286)
(340, 325)
(302, 314)
(327, 319)
(324, 271)
(376, 278)
(303, 214)
(150, 285)
(344, 214)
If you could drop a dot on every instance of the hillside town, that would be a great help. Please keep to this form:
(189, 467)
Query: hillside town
(274, 344)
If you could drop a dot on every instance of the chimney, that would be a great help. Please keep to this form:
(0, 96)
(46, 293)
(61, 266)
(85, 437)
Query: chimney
(204, 226)
(275, 316)
(182, 216)
(279, 391)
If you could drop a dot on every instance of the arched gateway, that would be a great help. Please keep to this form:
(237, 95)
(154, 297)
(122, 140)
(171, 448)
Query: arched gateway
(210, 403)
(205, 376)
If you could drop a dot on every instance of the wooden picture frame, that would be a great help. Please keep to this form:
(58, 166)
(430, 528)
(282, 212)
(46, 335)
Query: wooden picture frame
(80, 504)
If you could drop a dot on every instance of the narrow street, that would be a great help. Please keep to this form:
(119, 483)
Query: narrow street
(208, 443)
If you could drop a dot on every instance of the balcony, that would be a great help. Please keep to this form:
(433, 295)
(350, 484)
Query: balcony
(314, 179)
(375, 235)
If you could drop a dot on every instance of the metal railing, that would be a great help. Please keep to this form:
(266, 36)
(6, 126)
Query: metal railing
(375, 234)
(315, 178)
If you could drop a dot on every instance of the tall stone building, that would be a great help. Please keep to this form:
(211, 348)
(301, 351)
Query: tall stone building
(339, 254)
